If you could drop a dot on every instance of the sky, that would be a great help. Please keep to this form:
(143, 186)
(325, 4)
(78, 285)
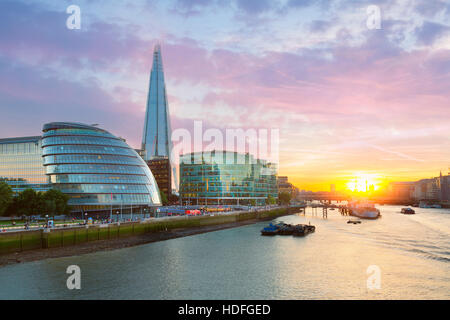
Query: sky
(348, 100)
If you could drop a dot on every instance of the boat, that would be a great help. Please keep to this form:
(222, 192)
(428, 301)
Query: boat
(407, 211)
(302, 230)
(363, 210)
(354, 221)
(284, 229)
(271, 230)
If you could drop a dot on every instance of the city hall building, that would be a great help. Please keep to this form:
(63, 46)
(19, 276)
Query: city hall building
(96, 169)
(227, 178)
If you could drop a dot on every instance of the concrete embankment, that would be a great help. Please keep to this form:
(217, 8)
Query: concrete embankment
(110, 236)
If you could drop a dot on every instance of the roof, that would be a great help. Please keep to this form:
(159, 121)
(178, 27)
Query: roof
(69, 125)
(20, 139)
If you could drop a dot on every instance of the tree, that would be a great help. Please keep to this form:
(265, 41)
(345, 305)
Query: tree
(163, 198)
(54, 202)
(284, 197)
(28, 203)
(6, 197)
(270, 200)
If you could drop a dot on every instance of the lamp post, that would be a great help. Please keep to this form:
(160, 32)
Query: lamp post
(117, 216)
(85, 217)
(46, 220)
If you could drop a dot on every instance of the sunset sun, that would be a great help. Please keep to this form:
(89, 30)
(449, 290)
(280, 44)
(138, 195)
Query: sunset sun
(362, 182)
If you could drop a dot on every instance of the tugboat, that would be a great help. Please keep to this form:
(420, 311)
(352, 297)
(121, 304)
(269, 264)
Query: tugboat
(408, 211)
(270, 230)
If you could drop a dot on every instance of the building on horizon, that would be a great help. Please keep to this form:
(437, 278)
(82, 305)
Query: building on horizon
(332, 188)
(226, 178)
(98, 170)
(285, 186)
(400, 190)
(437, 188)
(432, 189)
(156, 138)
(21, 164)
(444, 186)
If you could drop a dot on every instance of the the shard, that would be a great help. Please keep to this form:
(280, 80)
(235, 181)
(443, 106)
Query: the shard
(156, 140)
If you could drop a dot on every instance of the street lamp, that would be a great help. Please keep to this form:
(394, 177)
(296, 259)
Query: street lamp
(117, 216)
(46, 218)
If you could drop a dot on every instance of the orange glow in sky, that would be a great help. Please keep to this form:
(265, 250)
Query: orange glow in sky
(363, 182)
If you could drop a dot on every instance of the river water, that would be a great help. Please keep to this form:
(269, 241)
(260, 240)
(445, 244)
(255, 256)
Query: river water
(412, 254)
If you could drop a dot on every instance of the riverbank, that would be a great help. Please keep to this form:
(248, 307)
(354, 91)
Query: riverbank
(171, 228)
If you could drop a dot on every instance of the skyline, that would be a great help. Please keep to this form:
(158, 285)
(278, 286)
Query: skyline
(347, 100)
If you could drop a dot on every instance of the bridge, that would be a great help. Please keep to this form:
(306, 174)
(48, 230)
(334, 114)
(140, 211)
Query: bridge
(319, 196)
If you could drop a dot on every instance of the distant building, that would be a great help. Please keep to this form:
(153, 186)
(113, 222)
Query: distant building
(156, 139)
(444, 186)
(227, 178)
(285, 186)
(426, 189)
(161, 169)
(332, 188)
(437, 188)
(21, 164)
(401, 190)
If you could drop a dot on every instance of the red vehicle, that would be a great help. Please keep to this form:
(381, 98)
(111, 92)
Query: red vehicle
(193, 212)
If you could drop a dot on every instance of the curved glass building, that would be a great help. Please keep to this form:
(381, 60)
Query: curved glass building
(95, 168)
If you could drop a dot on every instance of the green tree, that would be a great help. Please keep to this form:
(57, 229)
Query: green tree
(54, 202)
(270, 200)
(28, 203)
(284, 197)
(6, 197)
(164, 199)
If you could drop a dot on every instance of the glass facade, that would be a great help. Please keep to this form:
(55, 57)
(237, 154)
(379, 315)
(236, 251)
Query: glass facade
(156, 138)
(21, 164)
(96, 168)
(226, 178)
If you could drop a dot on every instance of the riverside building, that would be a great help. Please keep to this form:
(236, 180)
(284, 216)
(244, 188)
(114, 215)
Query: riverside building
(21, 164)
(99, 171)
(227, 178)
(156, 143)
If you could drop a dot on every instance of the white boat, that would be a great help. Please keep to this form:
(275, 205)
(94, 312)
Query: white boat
(363, 210)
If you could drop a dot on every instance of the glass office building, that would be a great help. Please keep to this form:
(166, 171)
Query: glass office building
(226, 178)
(95, 168)
(21, 164)
(156, 137)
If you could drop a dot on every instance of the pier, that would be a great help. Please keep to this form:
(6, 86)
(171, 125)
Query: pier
(322, 207)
